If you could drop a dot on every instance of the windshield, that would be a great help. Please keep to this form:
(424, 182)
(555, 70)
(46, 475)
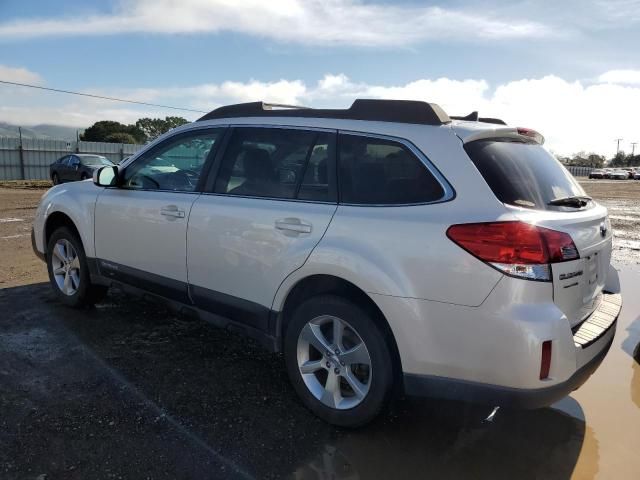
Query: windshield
(523, 174)
(95, 160)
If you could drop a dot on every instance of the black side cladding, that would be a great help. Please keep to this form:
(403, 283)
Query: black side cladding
(400, 111)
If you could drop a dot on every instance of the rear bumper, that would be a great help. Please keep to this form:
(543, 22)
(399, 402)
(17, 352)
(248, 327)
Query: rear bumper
(495, 395)
(592, 340)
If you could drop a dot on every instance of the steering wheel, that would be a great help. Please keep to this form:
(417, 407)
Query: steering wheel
(145, 181)
(191, 176)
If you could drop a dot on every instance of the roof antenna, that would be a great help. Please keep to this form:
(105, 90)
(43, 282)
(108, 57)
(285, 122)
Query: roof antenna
(472, 117)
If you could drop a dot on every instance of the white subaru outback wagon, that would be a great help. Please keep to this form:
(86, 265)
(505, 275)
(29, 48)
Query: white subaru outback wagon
(384, 248)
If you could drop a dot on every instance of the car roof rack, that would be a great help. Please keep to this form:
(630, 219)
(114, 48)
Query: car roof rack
(400, 111)
(473, 117)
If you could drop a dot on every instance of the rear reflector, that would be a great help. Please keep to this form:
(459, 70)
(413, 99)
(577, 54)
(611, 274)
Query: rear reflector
(516, 248)
(545, 362)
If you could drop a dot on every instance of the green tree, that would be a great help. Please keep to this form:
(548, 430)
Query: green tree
(583, 159)
(620, 159)
(596, 161)
(102, 130)
(120, 137)
(154, 127)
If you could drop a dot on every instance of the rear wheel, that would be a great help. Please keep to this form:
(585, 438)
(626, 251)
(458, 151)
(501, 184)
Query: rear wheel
(84, 176)
(69, 271)
(55, 179)
(338, 361)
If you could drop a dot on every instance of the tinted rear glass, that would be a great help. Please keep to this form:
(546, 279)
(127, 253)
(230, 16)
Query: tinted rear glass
(522, 174)
(374, 171)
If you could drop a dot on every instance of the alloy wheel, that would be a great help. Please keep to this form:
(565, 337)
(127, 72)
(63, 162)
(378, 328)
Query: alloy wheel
(65, 266)
(334, 362)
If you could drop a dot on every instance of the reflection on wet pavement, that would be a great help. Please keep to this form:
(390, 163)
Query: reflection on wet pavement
(594, 433)
(129, 390)
(430, 441)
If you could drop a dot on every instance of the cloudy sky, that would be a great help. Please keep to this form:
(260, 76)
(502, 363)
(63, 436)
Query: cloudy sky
(570, 69)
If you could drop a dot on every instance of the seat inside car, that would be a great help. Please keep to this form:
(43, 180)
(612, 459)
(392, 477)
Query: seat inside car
(258, 173)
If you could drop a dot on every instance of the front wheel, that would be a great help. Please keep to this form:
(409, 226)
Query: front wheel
(69, 271)
(55, 179)
(338, 361)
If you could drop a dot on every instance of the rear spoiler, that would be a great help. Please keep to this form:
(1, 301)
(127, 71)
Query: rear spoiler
(502, 132)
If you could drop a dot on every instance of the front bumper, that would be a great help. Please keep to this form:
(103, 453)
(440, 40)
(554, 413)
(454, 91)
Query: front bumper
(38, 253)
(592, 340)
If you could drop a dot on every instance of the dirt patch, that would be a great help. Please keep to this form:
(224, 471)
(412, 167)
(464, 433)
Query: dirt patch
(26, 184)
(622, 199)
(18, 264)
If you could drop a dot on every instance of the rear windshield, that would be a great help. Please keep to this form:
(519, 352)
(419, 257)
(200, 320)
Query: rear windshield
(522, 174)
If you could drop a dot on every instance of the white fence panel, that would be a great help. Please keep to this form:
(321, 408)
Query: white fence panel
(31, 162)
(9, 158)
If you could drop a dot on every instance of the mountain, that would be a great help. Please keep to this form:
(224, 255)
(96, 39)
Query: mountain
(57, 132)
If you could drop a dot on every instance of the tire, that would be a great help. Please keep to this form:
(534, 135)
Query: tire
(69, 271)
(55, 179)
(313, 324)
(84, 176)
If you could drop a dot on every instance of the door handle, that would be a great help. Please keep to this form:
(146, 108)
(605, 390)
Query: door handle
(172, 211)
(293, 225)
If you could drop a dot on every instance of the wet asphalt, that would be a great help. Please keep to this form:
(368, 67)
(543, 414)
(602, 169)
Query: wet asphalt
(129, 390)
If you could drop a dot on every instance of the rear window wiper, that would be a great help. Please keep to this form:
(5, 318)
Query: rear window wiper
(577, 201)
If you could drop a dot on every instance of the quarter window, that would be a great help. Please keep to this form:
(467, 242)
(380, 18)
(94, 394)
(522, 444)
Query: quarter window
(374, 171)
(174, 165)
(275, 163)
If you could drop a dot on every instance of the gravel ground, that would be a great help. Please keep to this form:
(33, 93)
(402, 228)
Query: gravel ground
(622, 199)
(129, 390)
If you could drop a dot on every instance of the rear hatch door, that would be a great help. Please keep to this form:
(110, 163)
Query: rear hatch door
(537, 189)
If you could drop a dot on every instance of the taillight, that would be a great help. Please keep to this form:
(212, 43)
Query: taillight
(527, 132)
(516, 248)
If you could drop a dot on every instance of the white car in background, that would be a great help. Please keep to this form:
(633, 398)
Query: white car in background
(619, 174)
(382, 248)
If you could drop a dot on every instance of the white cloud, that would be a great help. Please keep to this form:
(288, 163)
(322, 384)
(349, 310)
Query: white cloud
(311, 22)
(572, 116)
(623, 77)
(19, 75)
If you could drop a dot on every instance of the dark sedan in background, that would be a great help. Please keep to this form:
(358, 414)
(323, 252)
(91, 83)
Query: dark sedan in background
(76, 166)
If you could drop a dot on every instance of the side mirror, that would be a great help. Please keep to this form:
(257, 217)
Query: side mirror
(106, 176)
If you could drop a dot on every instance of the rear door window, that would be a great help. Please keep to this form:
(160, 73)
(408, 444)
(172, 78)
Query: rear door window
(522, 174)
(276, 163)
(374, 171)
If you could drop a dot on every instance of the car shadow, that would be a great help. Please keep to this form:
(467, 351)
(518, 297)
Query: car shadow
(133, 388)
